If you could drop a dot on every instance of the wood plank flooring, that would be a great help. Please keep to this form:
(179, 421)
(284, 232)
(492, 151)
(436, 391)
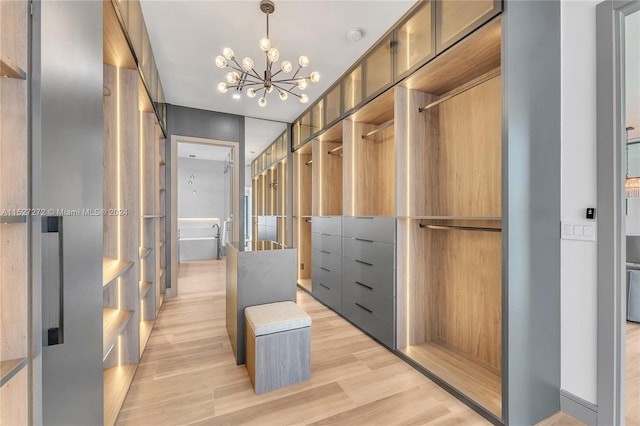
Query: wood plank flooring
(188, 375)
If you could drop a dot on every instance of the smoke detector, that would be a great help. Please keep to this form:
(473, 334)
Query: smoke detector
(355, 34)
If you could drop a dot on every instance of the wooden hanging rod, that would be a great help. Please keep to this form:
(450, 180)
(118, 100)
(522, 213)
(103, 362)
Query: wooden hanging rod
(308, 220)
(308, 163)
(334, 150)
(460, 91)
(379, 129)
(460, 228)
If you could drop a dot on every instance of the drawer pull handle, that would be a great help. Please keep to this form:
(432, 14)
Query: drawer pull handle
(364, 217)
(325, 252)
(322, 285)
(325, 269)
(362, 307)
(363, 240)
(363, 285)
(364, 263)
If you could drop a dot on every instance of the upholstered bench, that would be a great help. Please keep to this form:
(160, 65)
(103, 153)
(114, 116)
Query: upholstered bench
(278, 345)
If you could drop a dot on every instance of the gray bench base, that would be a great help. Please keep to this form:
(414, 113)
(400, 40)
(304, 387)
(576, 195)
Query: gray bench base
(278, 359)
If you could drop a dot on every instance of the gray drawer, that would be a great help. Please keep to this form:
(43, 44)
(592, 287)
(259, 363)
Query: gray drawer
(380, 279)
(327, 288)
(373, 253)
(326, 276)
(380, 304)
(368, 320)
(326, 243)
(330, 225)
(325, 259)
(382, 229)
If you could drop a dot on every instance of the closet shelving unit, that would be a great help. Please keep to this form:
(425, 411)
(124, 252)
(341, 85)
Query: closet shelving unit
(133, 191)
(449, 226)
(15, 236)
(302, 190)
(269, 185)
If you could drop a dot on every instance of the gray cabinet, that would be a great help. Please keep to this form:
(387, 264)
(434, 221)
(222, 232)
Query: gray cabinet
(368, 275)
(326, 273)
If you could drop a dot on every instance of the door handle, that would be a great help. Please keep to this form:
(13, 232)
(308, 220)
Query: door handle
(53, 280)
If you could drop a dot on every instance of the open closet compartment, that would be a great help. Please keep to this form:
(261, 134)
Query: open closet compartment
(369, 159)
(327, 173)
(302, 200)
(449, 190)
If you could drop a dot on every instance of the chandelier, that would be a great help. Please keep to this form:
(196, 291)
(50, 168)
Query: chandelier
(244, 76)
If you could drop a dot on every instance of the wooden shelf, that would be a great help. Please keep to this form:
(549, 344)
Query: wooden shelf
(477, 54)
(10, 368)
(145, 333)
(11, 70)
(377, 111)
(162, 271)
(13, 219)
(114, 321)
(477, 381)
(112, 269)
(144, 252)
(145, 286)
(116, 384)
(305, 283)
(487, 218)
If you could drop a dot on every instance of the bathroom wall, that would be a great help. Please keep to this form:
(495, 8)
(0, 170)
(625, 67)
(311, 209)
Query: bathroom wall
(211, 186)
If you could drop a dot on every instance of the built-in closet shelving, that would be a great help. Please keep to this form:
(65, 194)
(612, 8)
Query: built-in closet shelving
(134, 204)
(269, 192)
(302, 201)
(449, 225)
(15, 283)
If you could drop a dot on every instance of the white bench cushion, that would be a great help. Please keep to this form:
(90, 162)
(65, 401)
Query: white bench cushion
(276, 317)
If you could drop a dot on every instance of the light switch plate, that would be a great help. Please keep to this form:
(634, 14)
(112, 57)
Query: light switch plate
(579, 230)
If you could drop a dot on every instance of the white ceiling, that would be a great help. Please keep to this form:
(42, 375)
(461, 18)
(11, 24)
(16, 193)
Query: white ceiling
(186, 36)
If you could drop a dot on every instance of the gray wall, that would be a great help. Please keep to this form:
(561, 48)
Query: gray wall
(212, 198)
(531, 209)
(68, 126)
(185, 121)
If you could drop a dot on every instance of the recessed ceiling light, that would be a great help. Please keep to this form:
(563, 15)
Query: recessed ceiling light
(236, 96)
(192, 156)
(252, 152)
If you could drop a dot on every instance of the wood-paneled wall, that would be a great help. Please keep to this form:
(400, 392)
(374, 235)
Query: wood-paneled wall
(327, 179)
(369, 164)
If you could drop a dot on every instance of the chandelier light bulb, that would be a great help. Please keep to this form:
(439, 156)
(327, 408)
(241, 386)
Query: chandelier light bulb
(247, 64)
(265, 44)
(273, 54)
(233, 77)
(301, 83)
(221, 61)
(286, 67)
(227, 52)
(242, 76)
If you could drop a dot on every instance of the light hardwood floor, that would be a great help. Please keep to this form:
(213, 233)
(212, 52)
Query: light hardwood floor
(633, 374)
(188, 375)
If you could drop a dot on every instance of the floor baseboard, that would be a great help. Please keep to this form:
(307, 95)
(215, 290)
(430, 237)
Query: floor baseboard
(577, 407)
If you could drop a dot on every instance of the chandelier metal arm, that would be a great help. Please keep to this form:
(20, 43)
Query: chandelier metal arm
(286, 90)
(241, 77)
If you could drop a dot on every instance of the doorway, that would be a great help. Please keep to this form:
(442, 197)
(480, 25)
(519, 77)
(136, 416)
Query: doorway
(205, 179)
(618, 67)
